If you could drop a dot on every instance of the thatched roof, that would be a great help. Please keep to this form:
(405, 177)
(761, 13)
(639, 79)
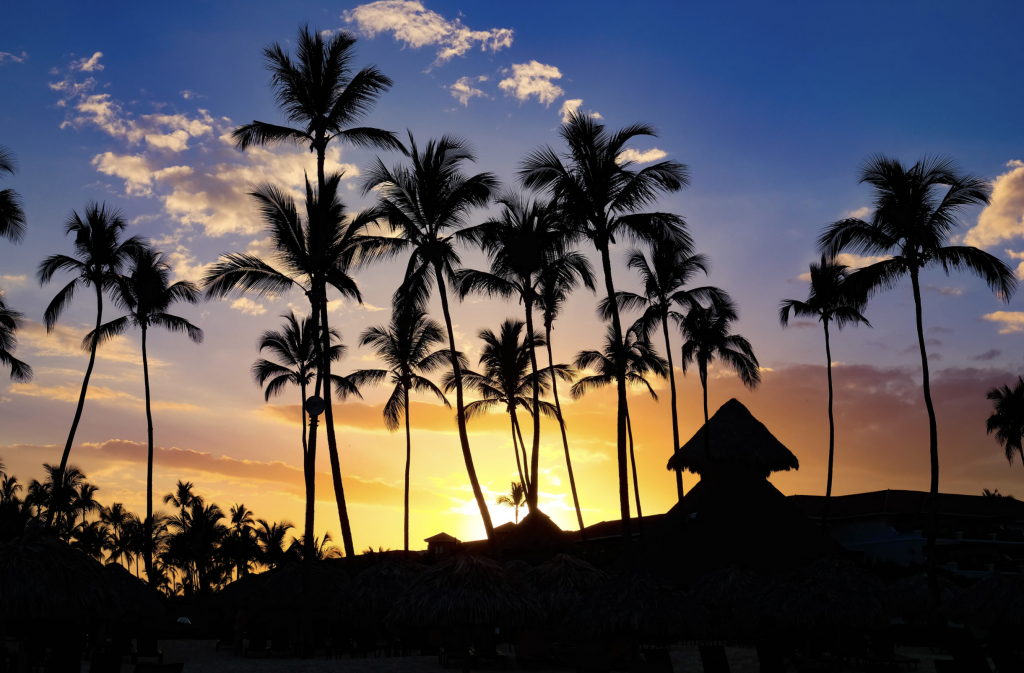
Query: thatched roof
(42, 578)
(518, 568)
(560, 583)
(465, 590)
(239, 593)
(737, 438)
(283, 589)
(725, 589)
(910, 595)
(993, 601)
(636, 605)
(535, 539)
(373, 592)
(137, 599)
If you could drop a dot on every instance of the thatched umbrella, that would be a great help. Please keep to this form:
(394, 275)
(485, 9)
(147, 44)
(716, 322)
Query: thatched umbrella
(42, 578)
(137, 599)
(559, 583)
(990, 602)
(368, 598)
(465, 591)
(725, 590)
(282, 591)
(910, 598)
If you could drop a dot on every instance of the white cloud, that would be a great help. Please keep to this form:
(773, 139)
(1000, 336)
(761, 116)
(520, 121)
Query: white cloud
(248, 306)
(1011, 321)
(189, 95)
(533, 79)
(1003, 218)
(572, 105)
(1020, 267)
(636, 157)
(463, 89)
(860, 261)
(91, 64)
(416, 26)
(13, 280)
(6, 56)
(859, 213)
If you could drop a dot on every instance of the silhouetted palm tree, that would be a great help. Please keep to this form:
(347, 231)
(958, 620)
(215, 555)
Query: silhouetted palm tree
(182, 496)
(119, 543)
(830, 300)
(707, 334)
(90, 537)
(1007, 419)
(995, 494)
(270, 537)
(100, 255)
(912, 222)
(423, 204)
(406, 347)
(633, 359)
(527, 238)
(601, 197)
(322, 549)
(196, 534)
(55, 497)
(12, 216)
(145, 295)
(240, 546)
(514, 499)
(311, 255)
(10, 323)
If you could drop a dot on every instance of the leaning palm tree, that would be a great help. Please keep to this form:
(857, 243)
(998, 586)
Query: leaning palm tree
(707, 334)
(515, 498)
(917, 211)
(829, 300)
(527, 238)
(10, 323)
(1007, 419)
(12, 215)
(636, 358)
(100, 256)
(423, 205)
(311, 255)
(406, 347)
(601, 198)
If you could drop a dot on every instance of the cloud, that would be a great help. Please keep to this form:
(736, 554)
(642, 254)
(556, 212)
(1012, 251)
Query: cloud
(990, 354)
(415, 26)
(1011, 321)
(248, 306)
(463, 89)
(13, 280)
(8, 57)
(944, 290)
(572, 105)
(91, 64)
(1003, 218)
(860, 261)
(190, 95)
(859, 213)
(96, 394)
(532, 79)
(633, 156)
(65, 341)
(938, 329)
(916, 347)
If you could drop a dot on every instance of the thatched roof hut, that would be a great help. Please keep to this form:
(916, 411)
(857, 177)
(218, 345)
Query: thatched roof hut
(518, 568)
(370, 596)
(737, 440)
(559, 583)
(910, 598)
(241, 592)
(282, 591)
(42, 578)
(138, 600)
(462, 591)
(993, 601)
(635, 605)
(726, 589)
(534, 539)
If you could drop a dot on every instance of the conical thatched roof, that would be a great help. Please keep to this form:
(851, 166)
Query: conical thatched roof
(42, 578)
(725, 589)
(536, 538)
(560, 583)
(518, 568)
(738, 439)
(238, 593)
(636, 605)
(283, 589)
(465, 590)
(371, 595)
(993, 601)
(910, 598)
(137, 599)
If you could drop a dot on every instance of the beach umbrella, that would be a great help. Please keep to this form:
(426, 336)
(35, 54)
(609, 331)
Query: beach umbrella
(370, 596)
(559, 584)
(282, 591)
(137, 599)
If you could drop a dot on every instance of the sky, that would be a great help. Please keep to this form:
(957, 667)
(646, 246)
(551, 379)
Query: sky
(772, 107)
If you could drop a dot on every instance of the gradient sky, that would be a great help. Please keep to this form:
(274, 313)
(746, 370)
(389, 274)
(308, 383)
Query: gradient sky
(773, 108)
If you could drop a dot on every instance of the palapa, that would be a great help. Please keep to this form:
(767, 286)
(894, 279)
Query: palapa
(559, 583)
(241, 592)
(910, 598)
(137, 599)
(283, 589)
(726, 589)
(370, 596)
(988, 603)
(518, 568)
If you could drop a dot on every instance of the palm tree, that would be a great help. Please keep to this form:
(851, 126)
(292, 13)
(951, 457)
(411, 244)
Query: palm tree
(100, 255)
(240, 545)
(91, 538)
(423, 204)
(671, 267)
(601, 197)
(145, 295)
(635, 358)
(322, 549)
(912, 224)
(525, 240)
(270, 537)
(56, 493)
(829, 300)
(296, 349)
(12, 216)
(1007, 419)
(311, 255)
(182, 496)
(197, 533)
(406, 347)
(10, 323)
(514, 498)
(995, 494)
(119, 520)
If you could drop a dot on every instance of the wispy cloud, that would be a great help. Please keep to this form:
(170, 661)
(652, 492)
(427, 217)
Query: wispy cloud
(191, 95)
(8, 57)
(91, 64)
(990, 354)
(1010, 322)
(532, 79)
(572, 105)
(636, 157)
(97, 394)
(859, 213)
(463, 89)
(248, 306)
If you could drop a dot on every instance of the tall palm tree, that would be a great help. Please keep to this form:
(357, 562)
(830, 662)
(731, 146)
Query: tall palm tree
(601, 198)
(296, 348)
(1007, 418)
(707, 334)
(632, 359)
(145, 295)
(311, 255)
(829, 300)
(527, 238)
(243, 549)
(515, 498)
(10, 323)
(12, 215)
(182, 496)
(56, 494)
(119, 520)
(406, 347)
(671, 267)
(100, 256)
(270, 537)
(423, 204)
(917, 210)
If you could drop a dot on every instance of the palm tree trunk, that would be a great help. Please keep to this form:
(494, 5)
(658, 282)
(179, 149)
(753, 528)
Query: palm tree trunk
(309, 464)
(515, 450)
(460, 407)
(81, 405)
(332, 441)
(622, 410)
(933, 449)
(703, 367)
(148, 526)
(408, 463)
(302, 414)
(675, 413)
(831, 437)
(527, 486)
(636, 483)
(561, 426)
(533, 495)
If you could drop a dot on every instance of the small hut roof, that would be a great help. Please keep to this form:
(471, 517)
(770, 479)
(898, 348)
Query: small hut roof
(737, 438)
(560, 583)
(725, 589)
(137, 599)
(283, 589)
(441, 537)
(374, 591)
(634, 604)
(235, 594)
(43, 578)
(465, 590)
